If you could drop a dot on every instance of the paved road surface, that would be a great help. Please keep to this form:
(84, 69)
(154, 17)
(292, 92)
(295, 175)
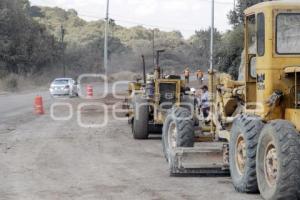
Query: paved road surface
(13, 105)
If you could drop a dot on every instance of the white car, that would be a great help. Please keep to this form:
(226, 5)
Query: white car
(63, 87)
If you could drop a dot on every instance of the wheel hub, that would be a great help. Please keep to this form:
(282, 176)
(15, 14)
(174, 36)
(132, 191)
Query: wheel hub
(172, 136)
(271, 164)
(240, 155)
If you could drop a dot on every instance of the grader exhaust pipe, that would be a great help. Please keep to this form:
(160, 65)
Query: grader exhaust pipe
(144, 69)
(157, 71)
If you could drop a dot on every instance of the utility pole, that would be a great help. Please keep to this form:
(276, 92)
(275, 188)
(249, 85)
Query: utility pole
(63, 49)
(212, 34)
(234, 5)
(211, 70)
(144, 69)
(153, 46)
(106, 39)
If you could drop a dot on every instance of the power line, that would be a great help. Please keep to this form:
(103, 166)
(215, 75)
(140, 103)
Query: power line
(122, 18)
(219, 2)
(150, 25)
(128, 21)
(91, 16)
(133, 22)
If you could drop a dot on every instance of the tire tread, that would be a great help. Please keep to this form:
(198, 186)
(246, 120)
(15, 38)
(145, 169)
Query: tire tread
(251, 126)
(289, 142)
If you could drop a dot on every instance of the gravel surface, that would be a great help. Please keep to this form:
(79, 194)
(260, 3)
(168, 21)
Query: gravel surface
(45, 159)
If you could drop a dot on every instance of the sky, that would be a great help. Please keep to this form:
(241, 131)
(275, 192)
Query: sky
(168, 15)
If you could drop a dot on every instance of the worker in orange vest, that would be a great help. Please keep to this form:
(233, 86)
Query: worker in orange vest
(200, 76)
(186, 73)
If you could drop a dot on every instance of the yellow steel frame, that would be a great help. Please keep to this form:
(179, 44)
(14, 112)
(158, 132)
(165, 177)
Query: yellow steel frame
(159, 115)
(272, 65)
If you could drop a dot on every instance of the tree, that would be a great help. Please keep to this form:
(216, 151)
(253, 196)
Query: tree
(229, 55)
(25, 45)
(200, 43)
(236, 16)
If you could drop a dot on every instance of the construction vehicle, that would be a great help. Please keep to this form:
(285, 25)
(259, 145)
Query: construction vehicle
(134, 87)
(149, 102)
(253, 127)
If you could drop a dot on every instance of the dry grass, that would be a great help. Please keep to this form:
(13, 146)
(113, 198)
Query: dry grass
(15, 83)
(123, 76)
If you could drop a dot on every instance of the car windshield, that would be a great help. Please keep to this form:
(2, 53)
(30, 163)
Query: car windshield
(288, 37)
(60, 82)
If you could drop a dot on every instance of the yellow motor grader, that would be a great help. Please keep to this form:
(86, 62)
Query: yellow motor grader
(149, 102)
(134, 87)
(253, 127)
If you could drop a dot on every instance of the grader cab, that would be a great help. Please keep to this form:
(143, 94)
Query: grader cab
(254, 125)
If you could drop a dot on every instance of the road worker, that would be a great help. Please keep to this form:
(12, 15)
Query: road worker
(186, 73)
(204, 101)
(200, 76)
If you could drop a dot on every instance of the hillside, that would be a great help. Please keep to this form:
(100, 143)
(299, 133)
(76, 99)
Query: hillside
(30, 45)
(81, 31)
(126, 44)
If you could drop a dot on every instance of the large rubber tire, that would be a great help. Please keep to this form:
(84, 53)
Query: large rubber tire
(247, 128)
(140, 126)
(282, 136)
(184, 123)
(188, 102)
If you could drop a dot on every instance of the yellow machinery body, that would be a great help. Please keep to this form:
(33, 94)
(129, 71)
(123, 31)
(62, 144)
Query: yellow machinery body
(277, 67)
(167, 93)
(160, 107)
(133, 88)
(253, 126)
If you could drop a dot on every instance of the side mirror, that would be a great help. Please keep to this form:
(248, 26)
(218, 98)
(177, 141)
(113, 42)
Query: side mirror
(252, 66)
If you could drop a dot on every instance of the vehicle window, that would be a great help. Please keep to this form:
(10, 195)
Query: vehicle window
(260, 34)
(251, 31)
(287, 33)
(61, 82)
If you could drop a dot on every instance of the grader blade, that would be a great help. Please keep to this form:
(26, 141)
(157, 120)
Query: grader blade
(207, 159)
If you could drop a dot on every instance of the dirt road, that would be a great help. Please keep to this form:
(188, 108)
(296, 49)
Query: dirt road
(45, 159)
(15, 104)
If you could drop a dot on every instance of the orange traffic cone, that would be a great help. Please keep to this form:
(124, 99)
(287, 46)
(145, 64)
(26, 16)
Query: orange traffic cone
(38, 104)
(90, 91)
